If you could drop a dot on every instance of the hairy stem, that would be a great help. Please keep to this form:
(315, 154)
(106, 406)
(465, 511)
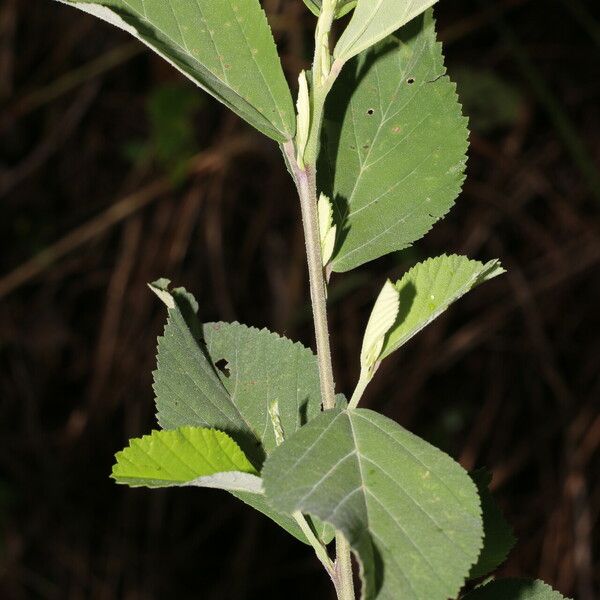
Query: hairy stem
(324, 75)
(305, 183)
(344, 583)
(306, 186)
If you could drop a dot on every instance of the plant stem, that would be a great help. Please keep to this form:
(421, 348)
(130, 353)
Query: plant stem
(306, 186)
(317, 545)
(361, 385)
(344, 583)
(324, 75)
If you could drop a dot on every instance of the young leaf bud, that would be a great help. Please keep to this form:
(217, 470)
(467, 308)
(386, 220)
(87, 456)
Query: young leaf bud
(303, 126)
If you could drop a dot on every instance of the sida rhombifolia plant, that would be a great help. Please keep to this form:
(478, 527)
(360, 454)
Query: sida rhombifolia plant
(376, 147)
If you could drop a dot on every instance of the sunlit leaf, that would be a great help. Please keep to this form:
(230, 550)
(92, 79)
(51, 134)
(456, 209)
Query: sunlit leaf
(188, 456)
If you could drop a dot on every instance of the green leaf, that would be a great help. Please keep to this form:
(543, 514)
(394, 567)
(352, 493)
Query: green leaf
(187, 387)
(409, 512)
(514, 589)
(225, 47)
(342, 7)
(188, 456)
(260, 367)
(429, 288)
(263, 367)
(498, 538)
(394, 144)
(373, 20)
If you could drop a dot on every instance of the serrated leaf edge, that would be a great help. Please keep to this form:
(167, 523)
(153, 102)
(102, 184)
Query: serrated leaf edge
(462, 120)
(250, 480)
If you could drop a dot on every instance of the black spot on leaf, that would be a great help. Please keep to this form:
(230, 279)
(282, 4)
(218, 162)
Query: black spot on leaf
(223, 366)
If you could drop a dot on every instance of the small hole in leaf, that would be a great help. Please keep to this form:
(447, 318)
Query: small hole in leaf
(370, 111)
(223, 366)
(410, 80)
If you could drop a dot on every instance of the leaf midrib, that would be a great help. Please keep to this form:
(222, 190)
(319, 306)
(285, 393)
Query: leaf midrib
(187, 333)
(398, 485)
(384, 118)
(222, 78)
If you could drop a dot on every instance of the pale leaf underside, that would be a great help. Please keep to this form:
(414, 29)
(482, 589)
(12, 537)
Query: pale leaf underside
(383, 316)
(373, 20)
(409, 511)
(429, 288)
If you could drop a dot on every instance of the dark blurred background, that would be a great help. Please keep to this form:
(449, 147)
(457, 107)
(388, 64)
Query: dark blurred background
(114, 171)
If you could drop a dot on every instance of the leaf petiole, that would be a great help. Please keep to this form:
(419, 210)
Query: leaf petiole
(317, 545)
(363, 381)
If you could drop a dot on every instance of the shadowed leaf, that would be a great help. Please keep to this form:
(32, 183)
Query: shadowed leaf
(257, 367)
(498, 538)
(514, 589)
